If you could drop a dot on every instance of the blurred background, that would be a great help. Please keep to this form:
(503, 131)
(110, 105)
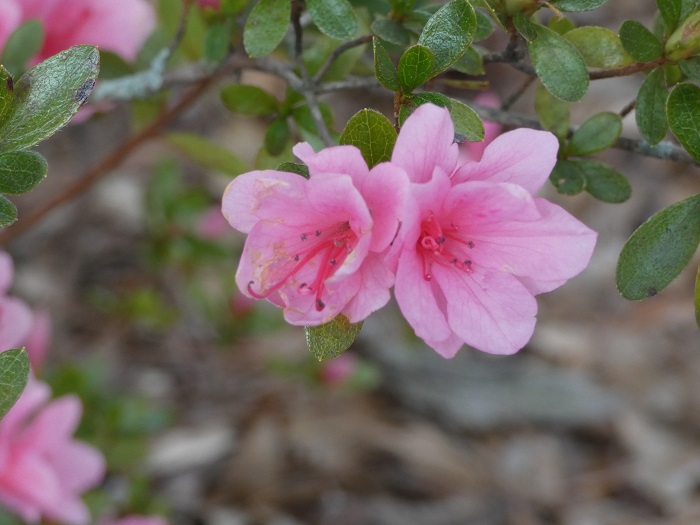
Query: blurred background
(210, 410)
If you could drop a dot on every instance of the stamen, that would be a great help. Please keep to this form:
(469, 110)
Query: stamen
(435, 246)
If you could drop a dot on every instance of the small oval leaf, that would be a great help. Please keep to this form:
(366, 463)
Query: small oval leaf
(21, 171)
(599, 47)
(334, 18)
(266, 26)
(248, 100)
(567, 178)
(577, 5)
(467, 122)
(207, 153)
(448, 33)
(331, 339)
(14, 374)
(415, 67)
(384, 68)
(372, 133)
(603, 182)
(596, 134)
(391, 31)
(552, 112)
(8, 212)
(639, 42)
(650, 111)
(683, 109)
(659, 250)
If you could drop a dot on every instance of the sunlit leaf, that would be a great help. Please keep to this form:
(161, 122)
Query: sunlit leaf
(331, 339)
(372, 133)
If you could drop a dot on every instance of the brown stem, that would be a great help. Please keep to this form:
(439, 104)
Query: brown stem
(626, 70)
(628, 108)
(106, 165)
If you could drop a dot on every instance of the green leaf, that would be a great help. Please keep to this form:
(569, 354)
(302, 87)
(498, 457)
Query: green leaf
(577, 5)
(650, 111)
(372, 133)
(691, 68)
(14, 374)
(596, 134)
(415, 67)
(266, 26)
(411, 102)
(391, 31)
(217, 42)
(47, 96)
(467, 122)
(483, 26)
(8, 212)
(302, 116)
(567, 177)
(687, 7)
(526, 27)
(560, 25)
(558, 64)
(639, 42)
(334, 18)
(248, 100)
(599, 47)
(331, 339)
(402, 7)
(232, 7)
(683, 109)
(21, 171)
(670, 12)
(7, 87)
(552, 112)
(659, 250)
(294, 167)
(277, 136)
(384, 68)
(22, 45)
(207, 153)
(603, 182)
(697, 298)
(470, 63)
(448, 33)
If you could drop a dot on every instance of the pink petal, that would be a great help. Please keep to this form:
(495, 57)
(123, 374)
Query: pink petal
(336, 159)
(79, 466)
(376, 280)
(15, 322)
(31, 483)
(39, 339)
(385, 191)
(490, 311)
(54, 425)
(426, 141)
(34, 396)
(259, 195)
(474, 151)
(524, 156)
(10, 18)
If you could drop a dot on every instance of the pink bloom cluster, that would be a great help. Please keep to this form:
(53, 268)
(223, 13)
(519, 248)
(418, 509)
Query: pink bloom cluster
(19, 326)
(43, 470)
(120, 26)
(465, 244)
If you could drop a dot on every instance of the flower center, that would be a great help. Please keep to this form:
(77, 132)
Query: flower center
(443, 246)
(330, 247)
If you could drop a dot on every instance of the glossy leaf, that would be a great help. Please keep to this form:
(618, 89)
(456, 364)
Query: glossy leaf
(21, 171)
(411, 102)
(448, 33)
(577, 5)
(294, 167)
(248, 100)
(683, 109)
(596, 134)
(670, 12)
(552, 112)
(650, 111)
(8, 212)
(558, 64)
(372, 133)
(467, 123)
(14, 374)
(331, 339)
(691, 68)
(391, 31)
(334, 18)
(603, 182)
(207, 153)
(639, 42)
(266, 26)
(599, 47)
(22, 45)
(659, 250)
(415, 67)
(47, 96)
(384, 68)
(567, 177)
(7, 87)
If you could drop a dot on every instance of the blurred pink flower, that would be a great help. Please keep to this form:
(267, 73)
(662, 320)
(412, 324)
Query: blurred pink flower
(476, 246)
(134, 519)
(339, 369)
(118, 26)
(38, 339)
(212, 224)
(314, 245)
(474, 150)
(43, 470)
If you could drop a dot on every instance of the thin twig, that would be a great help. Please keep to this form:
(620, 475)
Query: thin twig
(628, 108)
(663, 150)
(308, 88)
(342, 48)
(519, 93)
(106, 165)
(348, 84)
(626, 70)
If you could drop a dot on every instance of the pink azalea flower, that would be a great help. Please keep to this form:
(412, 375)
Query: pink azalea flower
(134, 519)
(212, 224)
(338, 370)
(15, 316)
(43, 470)
(476, 245)
(38, 339)
(118, 26)
(314, 245)
(475, 150)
